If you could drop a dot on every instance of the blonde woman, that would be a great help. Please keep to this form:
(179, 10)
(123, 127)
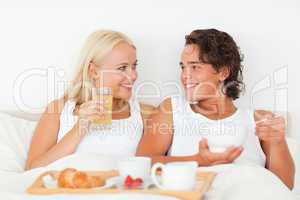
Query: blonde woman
(108, 58)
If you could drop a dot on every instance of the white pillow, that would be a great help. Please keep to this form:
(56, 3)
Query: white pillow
(15, 138)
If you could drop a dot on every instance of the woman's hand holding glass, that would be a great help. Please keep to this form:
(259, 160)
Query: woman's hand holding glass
(87, 113)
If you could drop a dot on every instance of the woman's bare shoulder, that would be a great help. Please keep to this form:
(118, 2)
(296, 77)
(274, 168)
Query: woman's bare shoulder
(56, 106)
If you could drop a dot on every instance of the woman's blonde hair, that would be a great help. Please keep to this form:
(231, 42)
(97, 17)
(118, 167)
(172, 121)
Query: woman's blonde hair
(96, 47)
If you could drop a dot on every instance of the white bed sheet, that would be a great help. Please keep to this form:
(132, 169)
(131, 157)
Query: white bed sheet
(233, 182)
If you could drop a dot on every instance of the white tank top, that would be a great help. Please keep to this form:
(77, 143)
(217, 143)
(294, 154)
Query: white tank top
(190, 127)
(121, 139)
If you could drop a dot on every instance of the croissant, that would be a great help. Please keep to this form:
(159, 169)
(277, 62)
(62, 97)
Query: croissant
(71, 178)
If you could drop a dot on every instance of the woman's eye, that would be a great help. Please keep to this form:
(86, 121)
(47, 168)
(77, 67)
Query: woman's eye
(134, 66)
(123, 68)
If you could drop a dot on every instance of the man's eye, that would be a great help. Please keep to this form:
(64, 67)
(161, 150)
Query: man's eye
(196, 67)
(182, 67)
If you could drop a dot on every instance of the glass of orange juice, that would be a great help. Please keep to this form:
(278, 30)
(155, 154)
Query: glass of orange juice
(104, 95)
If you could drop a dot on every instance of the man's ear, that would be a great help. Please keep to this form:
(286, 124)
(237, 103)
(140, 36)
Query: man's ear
(224, 73)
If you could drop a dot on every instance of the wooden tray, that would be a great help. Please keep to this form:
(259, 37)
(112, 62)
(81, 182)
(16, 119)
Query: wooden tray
(204, 181)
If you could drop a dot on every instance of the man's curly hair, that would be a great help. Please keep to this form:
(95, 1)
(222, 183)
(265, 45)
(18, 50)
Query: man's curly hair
(220, 50)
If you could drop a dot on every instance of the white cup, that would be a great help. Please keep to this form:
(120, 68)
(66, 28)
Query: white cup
(136, 167)
(175, 176)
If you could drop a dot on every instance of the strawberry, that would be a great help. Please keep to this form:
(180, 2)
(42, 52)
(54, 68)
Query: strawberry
(132, 183)
(128, 181)
(139, 180)
(136, 183)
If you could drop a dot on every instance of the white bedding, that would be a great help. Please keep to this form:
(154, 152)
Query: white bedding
(233, 182)
(240, 182)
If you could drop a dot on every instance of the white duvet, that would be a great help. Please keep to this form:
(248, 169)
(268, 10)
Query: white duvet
(233, 182)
